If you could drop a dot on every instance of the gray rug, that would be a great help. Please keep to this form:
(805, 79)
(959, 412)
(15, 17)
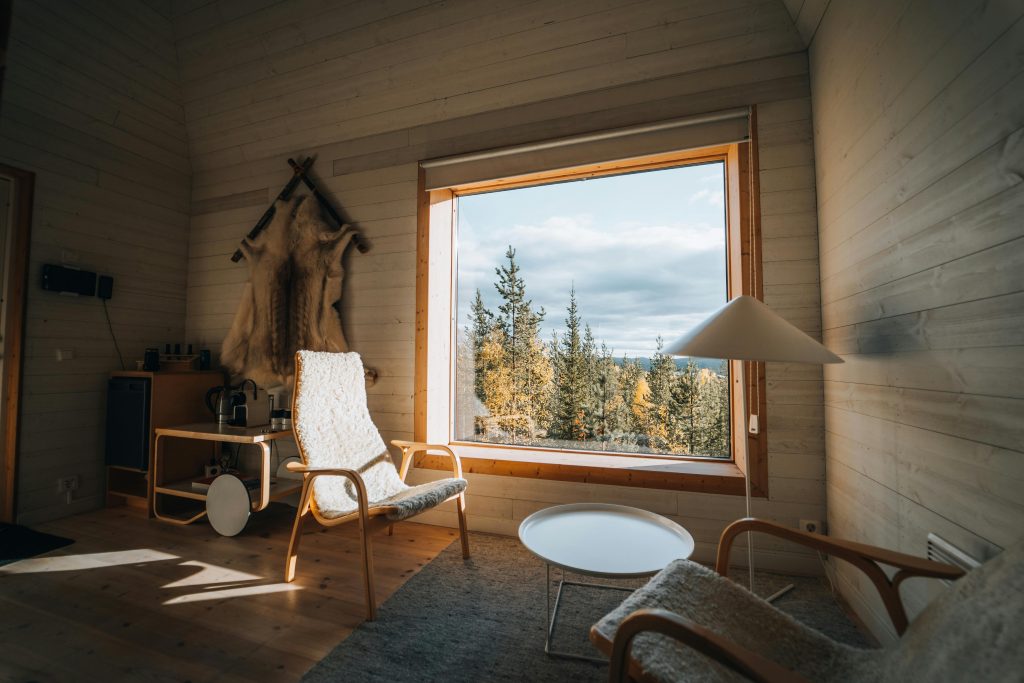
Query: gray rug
(483, 620)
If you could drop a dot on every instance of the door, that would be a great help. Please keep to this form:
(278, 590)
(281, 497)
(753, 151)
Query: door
(16, 188)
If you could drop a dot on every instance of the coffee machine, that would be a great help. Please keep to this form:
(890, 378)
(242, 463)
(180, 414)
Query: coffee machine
(240, 405)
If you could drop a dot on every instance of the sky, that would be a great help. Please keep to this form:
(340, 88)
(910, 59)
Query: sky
(645, 252)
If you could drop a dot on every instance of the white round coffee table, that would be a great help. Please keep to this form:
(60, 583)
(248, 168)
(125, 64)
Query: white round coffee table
(603, 541)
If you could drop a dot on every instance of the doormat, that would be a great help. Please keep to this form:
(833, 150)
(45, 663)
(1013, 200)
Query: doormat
(19, 542)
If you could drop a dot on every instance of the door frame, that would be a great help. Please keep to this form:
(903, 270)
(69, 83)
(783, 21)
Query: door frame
(22, 190)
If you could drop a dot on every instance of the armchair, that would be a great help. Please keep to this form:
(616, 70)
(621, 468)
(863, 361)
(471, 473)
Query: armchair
(693, 624)
(348, 474)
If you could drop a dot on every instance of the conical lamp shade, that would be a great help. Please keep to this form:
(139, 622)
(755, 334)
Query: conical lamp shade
(746, 329)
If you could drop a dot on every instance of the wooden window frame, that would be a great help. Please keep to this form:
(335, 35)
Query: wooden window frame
(436, 327)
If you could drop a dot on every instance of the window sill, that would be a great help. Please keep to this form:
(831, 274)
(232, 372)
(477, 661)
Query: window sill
(722, 477)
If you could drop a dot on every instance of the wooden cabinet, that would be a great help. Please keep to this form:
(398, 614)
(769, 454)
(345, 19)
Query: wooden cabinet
(173, 398)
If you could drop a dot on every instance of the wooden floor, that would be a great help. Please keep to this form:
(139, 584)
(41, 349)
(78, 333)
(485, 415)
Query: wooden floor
(136, 599)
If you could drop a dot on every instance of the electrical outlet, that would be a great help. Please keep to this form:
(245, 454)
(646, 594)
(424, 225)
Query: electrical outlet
(65, 354)
(814, 526)
(69, 483)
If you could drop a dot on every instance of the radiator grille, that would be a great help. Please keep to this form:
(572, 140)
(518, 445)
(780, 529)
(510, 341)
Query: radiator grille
(941, 550)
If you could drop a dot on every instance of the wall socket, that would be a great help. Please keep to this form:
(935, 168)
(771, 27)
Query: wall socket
(67, 483)
(814, 526)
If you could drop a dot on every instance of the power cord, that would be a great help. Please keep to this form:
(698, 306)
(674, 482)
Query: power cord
(112, 335)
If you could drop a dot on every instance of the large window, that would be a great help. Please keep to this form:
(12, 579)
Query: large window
(548, 283)
(565, 294)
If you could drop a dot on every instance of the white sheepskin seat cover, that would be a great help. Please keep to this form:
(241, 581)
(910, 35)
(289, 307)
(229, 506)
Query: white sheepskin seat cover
(971, 632)
(333, 427)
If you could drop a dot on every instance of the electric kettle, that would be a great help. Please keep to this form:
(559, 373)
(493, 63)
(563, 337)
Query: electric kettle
(224, 401)
(221, 402)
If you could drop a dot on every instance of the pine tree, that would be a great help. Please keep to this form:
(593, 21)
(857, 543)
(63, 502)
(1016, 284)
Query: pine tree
(682, 424)
(482, 323)
(573, 378)
(528, 366)
(608, 404)
(660, 378)
(711, 414)
(631, 373)
(497, 382)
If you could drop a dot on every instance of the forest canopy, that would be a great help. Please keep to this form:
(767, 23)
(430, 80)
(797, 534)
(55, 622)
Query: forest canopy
(571, 391)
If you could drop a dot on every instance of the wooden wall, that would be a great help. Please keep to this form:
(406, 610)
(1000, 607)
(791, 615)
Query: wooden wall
(372, 88)
(919, 147)
(92, 105)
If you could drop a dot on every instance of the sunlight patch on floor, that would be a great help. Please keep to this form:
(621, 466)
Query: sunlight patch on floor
(211, 573)
(70, 563)
(240, 592)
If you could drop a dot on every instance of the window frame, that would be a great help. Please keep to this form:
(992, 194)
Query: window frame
(436, 325)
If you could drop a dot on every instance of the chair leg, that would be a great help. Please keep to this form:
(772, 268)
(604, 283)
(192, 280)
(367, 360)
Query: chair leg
(460, 506)
(371, 595)
(292, 558)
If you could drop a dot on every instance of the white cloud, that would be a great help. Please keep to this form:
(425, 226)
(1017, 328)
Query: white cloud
(644, 260)
(712, 197)
(633, 282)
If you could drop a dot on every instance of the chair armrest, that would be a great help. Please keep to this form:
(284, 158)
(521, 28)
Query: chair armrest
(715, 647)
(362, 498)
(865, 557)
(410, 448)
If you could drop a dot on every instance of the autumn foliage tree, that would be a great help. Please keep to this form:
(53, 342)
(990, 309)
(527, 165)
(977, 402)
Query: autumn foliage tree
(572, 392)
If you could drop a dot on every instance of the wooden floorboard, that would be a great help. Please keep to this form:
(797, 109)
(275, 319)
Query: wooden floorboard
(137, 599)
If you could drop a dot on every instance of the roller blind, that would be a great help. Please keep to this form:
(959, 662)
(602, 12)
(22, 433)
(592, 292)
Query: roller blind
(683, 134)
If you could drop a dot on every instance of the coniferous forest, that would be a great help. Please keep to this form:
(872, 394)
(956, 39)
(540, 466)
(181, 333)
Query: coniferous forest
(571, 391)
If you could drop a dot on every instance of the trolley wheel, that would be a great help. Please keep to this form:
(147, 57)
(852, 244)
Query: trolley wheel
(228, 505)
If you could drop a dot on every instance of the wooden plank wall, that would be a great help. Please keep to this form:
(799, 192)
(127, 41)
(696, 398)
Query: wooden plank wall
(92, 105)
(372, 88)
(806, 16)
(918, 112)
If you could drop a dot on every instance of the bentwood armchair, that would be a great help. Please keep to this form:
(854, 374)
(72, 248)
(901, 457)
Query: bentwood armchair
(348, 474)
(693, 624)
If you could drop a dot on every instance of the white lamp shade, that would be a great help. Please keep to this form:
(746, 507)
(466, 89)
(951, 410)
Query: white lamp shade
(746, 329)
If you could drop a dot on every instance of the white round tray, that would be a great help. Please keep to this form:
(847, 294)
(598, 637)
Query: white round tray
(599, 539)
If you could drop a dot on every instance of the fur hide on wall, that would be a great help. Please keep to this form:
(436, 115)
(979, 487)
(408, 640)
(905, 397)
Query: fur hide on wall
(292, 299)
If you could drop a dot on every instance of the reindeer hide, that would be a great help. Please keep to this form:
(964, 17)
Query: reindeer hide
(292, 299)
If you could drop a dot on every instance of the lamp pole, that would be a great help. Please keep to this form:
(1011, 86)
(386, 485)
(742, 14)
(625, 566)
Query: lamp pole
(744, 435)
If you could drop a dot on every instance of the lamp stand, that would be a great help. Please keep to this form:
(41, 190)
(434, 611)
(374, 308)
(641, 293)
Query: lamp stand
(746, 469)
(746, 481)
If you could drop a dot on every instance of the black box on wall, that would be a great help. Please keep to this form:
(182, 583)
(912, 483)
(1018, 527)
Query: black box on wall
(69, 280)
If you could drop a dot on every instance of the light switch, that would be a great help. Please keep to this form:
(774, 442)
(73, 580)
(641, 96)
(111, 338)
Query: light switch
(65, 354)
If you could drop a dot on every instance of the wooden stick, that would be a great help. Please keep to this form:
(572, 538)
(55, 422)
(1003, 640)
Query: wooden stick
(298, 171)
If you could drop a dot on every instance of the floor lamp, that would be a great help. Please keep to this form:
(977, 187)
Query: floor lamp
(745, 329)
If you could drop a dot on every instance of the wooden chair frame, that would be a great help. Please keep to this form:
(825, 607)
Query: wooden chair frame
(867, 558)
(370, 518)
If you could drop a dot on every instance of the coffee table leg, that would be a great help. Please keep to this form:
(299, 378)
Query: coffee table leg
(552, 615)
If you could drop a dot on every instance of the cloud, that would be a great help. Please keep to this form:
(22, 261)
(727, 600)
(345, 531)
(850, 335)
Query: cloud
(633, 283)
(644, 263)
(712, 197)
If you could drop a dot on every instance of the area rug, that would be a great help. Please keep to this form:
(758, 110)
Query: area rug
(19, 542)
(482, 619)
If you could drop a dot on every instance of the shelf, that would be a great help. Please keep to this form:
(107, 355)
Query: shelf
(125, 494)
(279, 488)
(127, 482)
(181, 489)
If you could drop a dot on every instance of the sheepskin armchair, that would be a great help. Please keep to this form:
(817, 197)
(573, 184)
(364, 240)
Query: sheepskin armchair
(692, 624)
(348, 473)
